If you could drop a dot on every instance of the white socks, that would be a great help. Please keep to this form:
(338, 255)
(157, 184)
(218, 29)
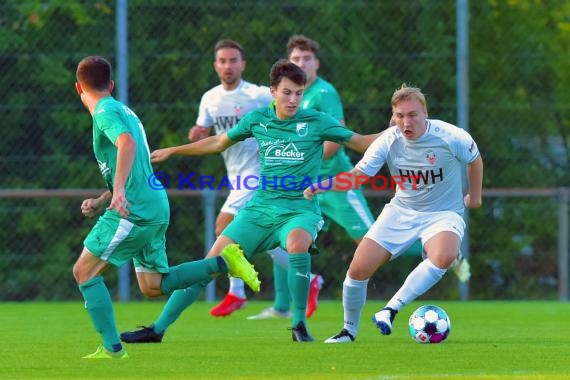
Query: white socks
(237, 287)
(419, 281)
(280, 256)
(353, 299)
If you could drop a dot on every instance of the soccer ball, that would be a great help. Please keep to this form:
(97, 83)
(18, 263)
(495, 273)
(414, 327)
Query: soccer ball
(429, 324)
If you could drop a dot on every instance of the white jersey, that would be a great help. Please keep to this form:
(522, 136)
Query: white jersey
(222, 110)
(429, 168)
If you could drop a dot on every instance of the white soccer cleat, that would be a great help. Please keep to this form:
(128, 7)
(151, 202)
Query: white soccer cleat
(342, 337)
(271, 313)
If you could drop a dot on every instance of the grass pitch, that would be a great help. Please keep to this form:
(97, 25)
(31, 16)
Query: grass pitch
(488, 340)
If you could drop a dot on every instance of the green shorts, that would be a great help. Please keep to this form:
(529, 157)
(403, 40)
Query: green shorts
(258, 229)
(348, 209)
(117, 241)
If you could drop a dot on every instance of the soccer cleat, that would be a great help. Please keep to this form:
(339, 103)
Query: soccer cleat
(314, 288)
(342, 337)
(103, 353)
(144, 335)
(229, 304)
(300, 333)
(271, 313)
(384, 319)
(461, 268)
(238, 266)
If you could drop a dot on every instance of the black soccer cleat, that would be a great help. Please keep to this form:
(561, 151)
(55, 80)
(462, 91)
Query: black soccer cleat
(300, 333)
(144, 335)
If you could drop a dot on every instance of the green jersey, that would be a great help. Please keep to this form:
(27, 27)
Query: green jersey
(290, 153)
(322, 96)
(111, 118)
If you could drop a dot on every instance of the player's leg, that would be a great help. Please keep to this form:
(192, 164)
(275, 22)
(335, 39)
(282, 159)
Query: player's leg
(186, 282)
(441, 236)
(94, 259)
(298, 279)
(235, 299)
(350, 210)
(369, 256)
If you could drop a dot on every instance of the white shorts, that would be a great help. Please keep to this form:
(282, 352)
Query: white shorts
(397, 228)
(236, 200)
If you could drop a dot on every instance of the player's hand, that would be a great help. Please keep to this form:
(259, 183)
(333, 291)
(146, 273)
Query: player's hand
(198, 133)
(160, 155)
(472, 202)
(311, 191)
(91, 207)
(119, 203)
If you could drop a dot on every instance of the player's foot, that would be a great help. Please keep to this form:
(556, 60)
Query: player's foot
(103, 353)
(384, 319)
(300, 333)
(144, 335)
(270, 313)
(229, 304)
(238, 266)
(314, 288)
(461, 268)
(342, 337)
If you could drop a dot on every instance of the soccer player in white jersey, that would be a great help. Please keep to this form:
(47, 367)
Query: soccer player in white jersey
(220, 109)
(425, 158)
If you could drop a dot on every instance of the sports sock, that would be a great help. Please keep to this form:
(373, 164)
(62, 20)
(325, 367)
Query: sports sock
(281, 282)
(353, 300)
(298, 279)
(419, 281)
(100, 308)
(279, 256)
(176, 304)
(185, 275)
(237, 287)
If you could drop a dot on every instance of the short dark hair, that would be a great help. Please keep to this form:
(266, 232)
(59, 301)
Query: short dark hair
(228, 44)
(94, 72)
(304, 43)
(285, 69)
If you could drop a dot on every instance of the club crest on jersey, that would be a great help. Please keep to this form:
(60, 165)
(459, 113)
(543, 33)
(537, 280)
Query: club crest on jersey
(237, 110)
(430, 157)
(302, 129)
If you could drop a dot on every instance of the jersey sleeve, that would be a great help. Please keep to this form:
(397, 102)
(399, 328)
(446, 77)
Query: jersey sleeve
(464, 147)
(331, 103)
(111, 124)
(204, 117)
(242, 130)
(376, 155)
(333, 130)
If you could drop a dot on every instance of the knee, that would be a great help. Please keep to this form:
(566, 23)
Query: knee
(79, 275)
(358, 273)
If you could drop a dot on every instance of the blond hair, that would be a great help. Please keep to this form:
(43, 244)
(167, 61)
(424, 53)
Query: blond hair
(406, 93)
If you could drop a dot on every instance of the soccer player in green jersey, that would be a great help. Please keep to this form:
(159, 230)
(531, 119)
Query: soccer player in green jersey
(134, 216)
(290, 144)
(348, 209)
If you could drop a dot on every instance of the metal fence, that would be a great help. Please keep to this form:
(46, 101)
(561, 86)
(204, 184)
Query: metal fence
(507, 82)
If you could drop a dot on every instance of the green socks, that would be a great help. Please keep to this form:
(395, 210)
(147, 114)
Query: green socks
(100, 308)
(178, 301)
(280, 281)
(185, 275)
(299, 280)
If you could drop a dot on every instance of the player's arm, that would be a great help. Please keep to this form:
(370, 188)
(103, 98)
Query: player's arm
(126, 147)
(343, 181)
(209, 145)
(330, 148)
(198, 132)
(474, 198)
(360, 142)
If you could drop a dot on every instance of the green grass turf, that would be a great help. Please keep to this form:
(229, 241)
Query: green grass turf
(491, 340)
